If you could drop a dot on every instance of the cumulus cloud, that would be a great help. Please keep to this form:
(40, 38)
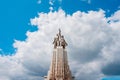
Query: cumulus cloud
(93, 45)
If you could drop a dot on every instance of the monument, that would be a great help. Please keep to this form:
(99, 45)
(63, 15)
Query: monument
(59, 68)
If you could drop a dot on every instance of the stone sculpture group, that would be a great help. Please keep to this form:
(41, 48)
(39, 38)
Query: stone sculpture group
(59, 40)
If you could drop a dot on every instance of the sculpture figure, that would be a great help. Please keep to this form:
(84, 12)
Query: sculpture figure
(56, 41)
(63, 42)
(59, 40)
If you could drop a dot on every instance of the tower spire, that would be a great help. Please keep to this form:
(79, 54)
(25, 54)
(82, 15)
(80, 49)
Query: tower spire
(59, 69)
(59, 31)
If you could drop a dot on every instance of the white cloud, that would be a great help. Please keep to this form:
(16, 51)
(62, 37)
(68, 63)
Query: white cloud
(114, 21)
(88, 1)
(51, 8)
(51, 2)
(39, 1)
(93, 41)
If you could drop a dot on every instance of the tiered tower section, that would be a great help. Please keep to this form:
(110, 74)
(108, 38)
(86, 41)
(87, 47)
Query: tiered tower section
(59, 69)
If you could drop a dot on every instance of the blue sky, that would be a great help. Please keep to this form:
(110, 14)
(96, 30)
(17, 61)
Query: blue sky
(15, 17)
(112, 78)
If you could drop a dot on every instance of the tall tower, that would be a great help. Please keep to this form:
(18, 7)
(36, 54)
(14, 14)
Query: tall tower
(59, 68)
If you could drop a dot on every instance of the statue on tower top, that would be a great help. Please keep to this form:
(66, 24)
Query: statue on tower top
(59, 40)
(59, 32)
